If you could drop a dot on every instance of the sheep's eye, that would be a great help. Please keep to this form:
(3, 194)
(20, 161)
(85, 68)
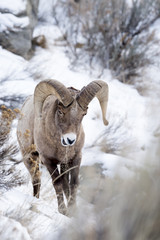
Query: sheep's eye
(60, 112)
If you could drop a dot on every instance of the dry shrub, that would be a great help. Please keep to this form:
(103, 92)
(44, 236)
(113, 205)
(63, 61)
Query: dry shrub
(108, 141)
(11, 101)
(9, 176)
(110, 33)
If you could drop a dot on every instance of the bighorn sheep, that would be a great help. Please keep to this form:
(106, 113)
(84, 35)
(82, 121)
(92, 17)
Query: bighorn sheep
(50, 130)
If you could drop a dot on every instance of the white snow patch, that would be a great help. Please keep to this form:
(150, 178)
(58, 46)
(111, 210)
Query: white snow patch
(10, 22)
(113, 165)
(17, 7)
(13, 75)
(12, 229)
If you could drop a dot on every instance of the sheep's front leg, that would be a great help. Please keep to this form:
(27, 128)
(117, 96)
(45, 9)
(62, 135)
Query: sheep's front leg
(65, 179)
(57, 183)
(74, 172)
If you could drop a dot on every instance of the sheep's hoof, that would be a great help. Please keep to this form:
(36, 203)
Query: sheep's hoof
(63, 210)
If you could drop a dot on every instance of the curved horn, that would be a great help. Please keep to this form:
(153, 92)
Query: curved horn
(50, 87)
(97, 89)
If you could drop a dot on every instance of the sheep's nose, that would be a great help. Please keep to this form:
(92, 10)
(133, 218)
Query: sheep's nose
(68, 139)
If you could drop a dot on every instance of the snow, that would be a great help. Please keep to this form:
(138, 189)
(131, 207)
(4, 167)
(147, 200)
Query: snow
(45, 9)
(133, 125)
(37, 216)
(9, 21)
(16, 8)
(14, 229)
(14, 67)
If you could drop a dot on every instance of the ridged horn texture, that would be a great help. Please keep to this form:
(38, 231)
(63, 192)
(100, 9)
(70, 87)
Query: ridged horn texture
(97, 89)
(50, 87)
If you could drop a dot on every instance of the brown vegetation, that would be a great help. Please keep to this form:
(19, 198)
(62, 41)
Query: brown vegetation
(9, 176)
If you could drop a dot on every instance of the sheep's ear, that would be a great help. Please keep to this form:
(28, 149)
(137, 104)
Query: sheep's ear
(97, 89)
(50, 87)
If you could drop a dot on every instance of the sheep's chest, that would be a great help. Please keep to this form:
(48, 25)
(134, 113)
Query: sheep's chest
(65, 154)
(57, 154)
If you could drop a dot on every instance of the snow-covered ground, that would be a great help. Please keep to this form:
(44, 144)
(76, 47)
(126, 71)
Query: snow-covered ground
(127, 143)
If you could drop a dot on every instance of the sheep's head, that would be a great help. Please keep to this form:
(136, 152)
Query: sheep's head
(68, 121)
(71, 105)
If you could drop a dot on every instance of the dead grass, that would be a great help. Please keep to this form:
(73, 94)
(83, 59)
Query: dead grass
(9, 175)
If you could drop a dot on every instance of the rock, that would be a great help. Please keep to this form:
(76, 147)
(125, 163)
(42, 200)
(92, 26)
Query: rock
(39, 41)
(17, 22)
